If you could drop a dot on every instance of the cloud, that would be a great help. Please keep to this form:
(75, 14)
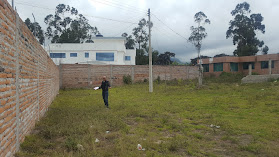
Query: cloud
(176, 14)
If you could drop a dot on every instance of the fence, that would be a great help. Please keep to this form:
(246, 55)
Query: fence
(29, 80)
(88, 76)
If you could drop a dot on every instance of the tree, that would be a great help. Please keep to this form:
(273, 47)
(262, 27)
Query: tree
(165, 58)
(194, 61)
(155, 57)
(68, 26)
(265, 50)
(197, 35)
(221, 55)
(39, 32)
(140, 33)
(243, 30)
(130, 42)
(142, 58)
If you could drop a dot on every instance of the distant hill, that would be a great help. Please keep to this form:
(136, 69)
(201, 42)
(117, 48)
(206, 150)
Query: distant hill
(177, 60)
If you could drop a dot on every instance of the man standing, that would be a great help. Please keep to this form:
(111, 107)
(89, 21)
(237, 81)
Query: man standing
(105, 87)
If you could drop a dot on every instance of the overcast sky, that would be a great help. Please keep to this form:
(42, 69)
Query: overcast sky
(176, 14)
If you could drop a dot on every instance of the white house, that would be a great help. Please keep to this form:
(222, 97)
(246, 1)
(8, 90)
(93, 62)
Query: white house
(104, 50)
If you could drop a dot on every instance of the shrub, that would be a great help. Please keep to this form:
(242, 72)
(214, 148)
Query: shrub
(71, 144)
(145, 80)
(255, 73)
(158, 80)
(225, 77)
(226, 74)
(127, 79)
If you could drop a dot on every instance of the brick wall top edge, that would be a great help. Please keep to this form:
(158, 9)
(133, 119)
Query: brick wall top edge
(5, 4)
(242, 59)
(31, 37)
(83, 65)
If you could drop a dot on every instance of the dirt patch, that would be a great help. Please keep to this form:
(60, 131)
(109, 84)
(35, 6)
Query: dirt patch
(245, 140)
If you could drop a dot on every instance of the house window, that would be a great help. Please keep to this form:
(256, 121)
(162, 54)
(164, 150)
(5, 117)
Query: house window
(86, 55)
(218, 67)
(73, 54)
(105, 56)
(234, 67)
(205, 67)
(246, 65)
(57, 55)
(127, 58)
(264, 64)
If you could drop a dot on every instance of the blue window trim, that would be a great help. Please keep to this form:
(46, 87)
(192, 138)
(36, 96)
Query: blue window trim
(107, 57)
(127, 58)
(218, 67)
(86, 54)
(73, 54)
(57, 55)
(234, 67)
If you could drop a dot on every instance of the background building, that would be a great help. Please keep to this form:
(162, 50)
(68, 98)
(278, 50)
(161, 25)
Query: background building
(104, 51)
(260, 65)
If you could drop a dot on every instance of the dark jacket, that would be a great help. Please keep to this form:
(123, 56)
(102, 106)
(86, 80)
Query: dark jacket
(105, 85)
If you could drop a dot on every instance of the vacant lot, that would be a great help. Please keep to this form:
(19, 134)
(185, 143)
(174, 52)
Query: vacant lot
(173, 121)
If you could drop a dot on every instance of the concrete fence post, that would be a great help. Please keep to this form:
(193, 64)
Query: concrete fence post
(60, 76)
(89, 76)
(38, 84)
(270, 66)
(250, 69)
(111, 75)
(17, 83)
(187, 72)
(133, 73)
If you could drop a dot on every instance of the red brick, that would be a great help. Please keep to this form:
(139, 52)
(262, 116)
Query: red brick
(3, 102)
(1, 110)
(3, 75)
(2, 3)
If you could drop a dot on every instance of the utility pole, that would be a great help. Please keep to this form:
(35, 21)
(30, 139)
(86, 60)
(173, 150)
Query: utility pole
(35, 27)
(150, 56)
(13, 5)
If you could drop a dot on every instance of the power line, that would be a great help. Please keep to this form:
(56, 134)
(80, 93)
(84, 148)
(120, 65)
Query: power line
(98, 17)
(165, 34)
(118, 6)
(117, 3)
(123, 30)
(144, 10)
(170, 28)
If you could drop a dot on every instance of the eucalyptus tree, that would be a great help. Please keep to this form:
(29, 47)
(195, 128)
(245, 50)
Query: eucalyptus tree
(66, 25)
(198, 34)
(36, 30)
(130, 42)
(243, 29)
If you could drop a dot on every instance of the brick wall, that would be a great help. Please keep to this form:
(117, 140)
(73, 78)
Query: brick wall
(87, 76)
(29, 80)
(240, 60)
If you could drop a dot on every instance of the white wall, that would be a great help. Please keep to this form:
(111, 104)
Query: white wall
(100, 45)
(131, 53)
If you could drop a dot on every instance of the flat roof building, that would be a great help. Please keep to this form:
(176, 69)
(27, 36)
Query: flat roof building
(259, 64)
(104, 51)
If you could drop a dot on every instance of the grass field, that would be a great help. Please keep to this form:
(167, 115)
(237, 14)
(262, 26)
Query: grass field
(173, 121)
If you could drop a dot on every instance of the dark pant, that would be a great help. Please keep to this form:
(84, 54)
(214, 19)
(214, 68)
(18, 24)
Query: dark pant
(105, 97)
